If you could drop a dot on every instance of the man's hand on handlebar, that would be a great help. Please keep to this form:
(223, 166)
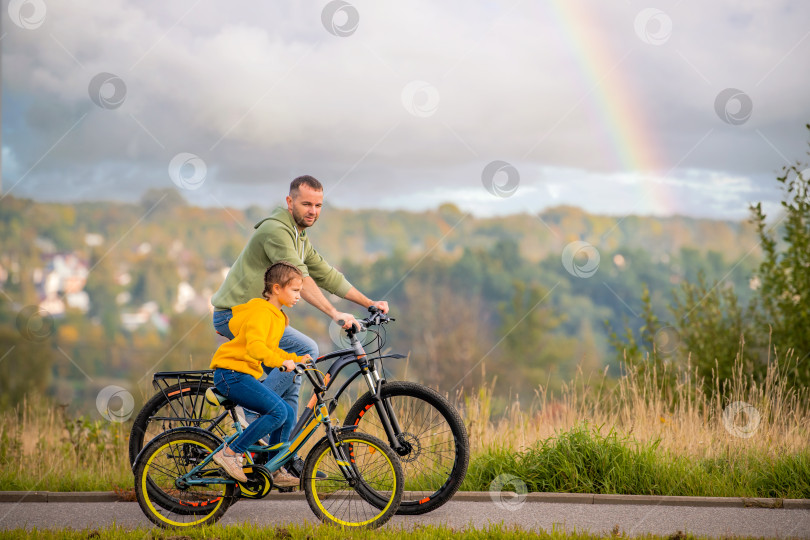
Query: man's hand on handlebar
(346, 320)
(382, 305)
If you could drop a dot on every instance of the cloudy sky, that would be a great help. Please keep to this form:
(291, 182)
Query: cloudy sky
(617, 107)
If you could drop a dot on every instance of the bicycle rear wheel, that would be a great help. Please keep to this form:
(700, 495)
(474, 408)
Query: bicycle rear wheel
(335, 499)
(176, 406)
(436, 447)
(168, 503)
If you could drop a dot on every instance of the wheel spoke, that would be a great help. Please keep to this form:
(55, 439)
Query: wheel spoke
(434, 464)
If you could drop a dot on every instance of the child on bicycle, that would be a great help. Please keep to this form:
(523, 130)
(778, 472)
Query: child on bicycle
(257, 327)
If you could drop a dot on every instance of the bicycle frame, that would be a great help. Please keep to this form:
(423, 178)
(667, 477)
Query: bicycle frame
(285, 449)
(368, 370)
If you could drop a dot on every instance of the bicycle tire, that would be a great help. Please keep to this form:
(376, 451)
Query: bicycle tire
(414, 401)
(332, 498)
(170, 501)
(174, 399)
(154, 481)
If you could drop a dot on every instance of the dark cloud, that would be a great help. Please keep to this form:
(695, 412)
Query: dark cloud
(263, 92)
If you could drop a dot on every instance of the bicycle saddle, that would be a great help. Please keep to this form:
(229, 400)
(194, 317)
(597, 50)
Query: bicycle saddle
(215, 398)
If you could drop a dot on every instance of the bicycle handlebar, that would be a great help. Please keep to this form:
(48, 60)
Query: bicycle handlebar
(299, 368)
(377, 317)
(303, 368)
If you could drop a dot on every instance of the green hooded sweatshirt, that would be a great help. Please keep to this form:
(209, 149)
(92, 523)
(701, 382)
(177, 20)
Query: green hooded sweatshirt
(276, 239)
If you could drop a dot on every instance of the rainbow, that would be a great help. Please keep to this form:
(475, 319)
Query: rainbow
(612, 99)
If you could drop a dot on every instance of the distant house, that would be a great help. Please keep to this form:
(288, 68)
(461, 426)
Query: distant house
(189, 300)
(62, 283)
(147, 313)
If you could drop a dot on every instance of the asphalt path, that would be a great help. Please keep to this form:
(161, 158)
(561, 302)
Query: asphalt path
(596, 518)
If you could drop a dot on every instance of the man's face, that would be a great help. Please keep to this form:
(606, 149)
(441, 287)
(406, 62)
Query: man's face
(305, 206)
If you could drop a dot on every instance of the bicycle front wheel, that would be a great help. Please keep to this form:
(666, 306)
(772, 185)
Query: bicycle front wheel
(339, 500)
(435, 447)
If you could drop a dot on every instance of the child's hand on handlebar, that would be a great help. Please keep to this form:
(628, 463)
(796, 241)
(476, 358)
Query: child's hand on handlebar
(288, 365)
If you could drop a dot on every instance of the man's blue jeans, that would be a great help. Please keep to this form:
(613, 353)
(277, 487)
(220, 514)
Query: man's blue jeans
(286, 385)
(275, 417)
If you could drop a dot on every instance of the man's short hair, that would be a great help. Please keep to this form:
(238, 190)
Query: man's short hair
(306, 180)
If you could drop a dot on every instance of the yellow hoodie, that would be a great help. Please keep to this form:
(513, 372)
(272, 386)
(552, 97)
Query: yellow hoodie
(257, 327)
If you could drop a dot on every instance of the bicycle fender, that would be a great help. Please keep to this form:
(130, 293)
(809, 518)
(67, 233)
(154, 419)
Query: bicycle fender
(216, 441)
(338, 431)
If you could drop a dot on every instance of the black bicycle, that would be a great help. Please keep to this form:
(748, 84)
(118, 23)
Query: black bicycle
(420, 425)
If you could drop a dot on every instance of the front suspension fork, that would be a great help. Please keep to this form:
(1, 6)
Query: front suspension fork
(346, 463)
(385, 410)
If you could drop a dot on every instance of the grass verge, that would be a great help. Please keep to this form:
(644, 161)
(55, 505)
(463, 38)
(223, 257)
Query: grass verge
(586, 460)
(323, 532)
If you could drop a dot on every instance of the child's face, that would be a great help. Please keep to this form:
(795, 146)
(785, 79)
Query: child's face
(291, 294)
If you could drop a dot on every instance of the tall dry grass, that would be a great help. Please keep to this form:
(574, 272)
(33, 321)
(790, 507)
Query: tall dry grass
(43, 448)
(670, 405)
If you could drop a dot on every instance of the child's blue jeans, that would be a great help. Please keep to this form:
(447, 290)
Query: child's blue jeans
(276, 417)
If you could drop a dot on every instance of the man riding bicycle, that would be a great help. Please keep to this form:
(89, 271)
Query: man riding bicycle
(282, 237)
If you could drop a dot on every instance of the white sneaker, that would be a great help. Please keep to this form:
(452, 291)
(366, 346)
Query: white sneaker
(231, 464)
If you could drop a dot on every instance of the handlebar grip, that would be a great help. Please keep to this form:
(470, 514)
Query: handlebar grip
(356, 327)
(297, 369)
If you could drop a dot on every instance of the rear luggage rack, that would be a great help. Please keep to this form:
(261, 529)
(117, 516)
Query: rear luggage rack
(171, 383)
